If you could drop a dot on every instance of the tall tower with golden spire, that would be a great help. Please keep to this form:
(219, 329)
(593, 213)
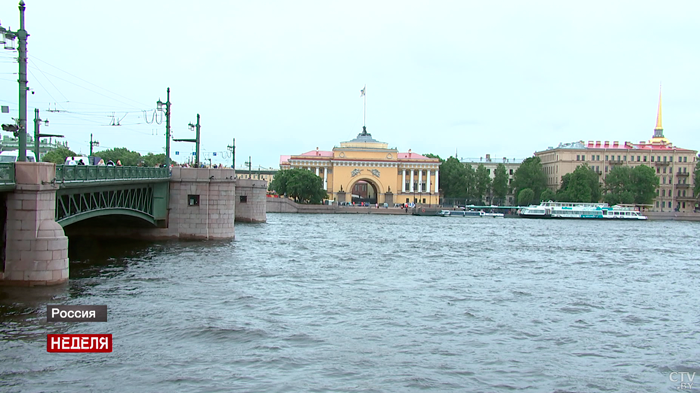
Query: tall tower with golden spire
(659, 129)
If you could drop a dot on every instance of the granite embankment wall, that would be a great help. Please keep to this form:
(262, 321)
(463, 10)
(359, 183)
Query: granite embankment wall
(285, 205)
(673, 216)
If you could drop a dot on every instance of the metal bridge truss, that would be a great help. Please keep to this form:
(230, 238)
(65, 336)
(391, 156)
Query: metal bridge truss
(76, 204)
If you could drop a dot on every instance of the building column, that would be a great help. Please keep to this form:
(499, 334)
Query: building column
(316, 171)
(429, 183)
(403, 181)
(410, 184)
(437, 181)
(420, 180)
(325, 179)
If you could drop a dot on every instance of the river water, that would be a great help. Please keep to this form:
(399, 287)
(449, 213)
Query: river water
(375, 303)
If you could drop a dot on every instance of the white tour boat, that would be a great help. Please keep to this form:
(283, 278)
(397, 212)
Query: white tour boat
(578, 210)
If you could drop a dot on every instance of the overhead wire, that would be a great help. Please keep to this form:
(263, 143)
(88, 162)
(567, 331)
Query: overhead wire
(111, 92)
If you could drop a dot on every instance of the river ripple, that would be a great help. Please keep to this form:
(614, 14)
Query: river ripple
(375, 303)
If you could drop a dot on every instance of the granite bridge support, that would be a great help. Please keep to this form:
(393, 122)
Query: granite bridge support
(36, 248)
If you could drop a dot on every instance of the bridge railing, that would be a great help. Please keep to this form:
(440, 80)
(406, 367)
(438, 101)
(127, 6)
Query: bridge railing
(7, 173)
(87, 173)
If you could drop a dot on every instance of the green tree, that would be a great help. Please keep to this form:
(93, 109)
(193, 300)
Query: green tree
(500, 184)
(127, 157)
(430, 155)
(525, 197)
(631, 185)
(530, 175)
(644, 184)
(581, 185)
(453, 178)
(151, 159)
(58, 156)
(300, 185)
(470, 180)
(548, 195)
(482, 181)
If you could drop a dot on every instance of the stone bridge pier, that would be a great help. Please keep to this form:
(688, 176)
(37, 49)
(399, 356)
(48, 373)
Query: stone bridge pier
(36, 248)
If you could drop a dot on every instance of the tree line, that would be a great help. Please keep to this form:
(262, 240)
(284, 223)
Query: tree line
(128, 158)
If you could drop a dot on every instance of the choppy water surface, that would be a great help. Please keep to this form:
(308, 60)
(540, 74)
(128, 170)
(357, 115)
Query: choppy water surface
(376, 303)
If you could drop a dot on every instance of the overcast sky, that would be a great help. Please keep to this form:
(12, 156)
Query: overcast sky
(283, 77)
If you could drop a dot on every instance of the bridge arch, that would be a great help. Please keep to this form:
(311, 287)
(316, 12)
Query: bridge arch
(107, 212)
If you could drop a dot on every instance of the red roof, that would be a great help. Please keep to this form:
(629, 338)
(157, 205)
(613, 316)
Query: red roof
(629, 145)
(284, 159)
(412, 155)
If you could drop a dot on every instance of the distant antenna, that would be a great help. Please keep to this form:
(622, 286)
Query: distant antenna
(55, 108)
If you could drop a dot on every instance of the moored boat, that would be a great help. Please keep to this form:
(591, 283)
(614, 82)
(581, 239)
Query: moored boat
(576, 210)
(469, 213)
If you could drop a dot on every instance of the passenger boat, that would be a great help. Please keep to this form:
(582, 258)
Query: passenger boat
(575, 210)
(469, 213)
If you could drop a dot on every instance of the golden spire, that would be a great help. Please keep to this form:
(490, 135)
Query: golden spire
(658, 115)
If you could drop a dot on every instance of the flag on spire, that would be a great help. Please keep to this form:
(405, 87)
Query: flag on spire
(362, 92)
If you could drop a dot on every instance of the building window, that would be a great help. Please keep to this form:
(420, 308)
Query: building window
(606, 158)
(624, 158)
(578, 157)
(663, 180)
(511, 171)
(658, 159)
(406, 200)
(639, 158)
(683, 205)
(685, 159)
(663, 193)
(664, 169)
(664, 158)
(597, 158)
(658, 170)
(423, 200)
(193, 200)
(645, 158)
(606, 169)
(657, 204)
(652, 158)
(243, 199)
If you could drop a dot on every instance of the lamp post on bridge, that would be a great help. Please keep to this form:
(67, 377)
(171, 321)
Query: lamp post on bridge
(232, 148)
(92, 144)
(7, 38)
(196, 140)
(38, 136)
(167, 126)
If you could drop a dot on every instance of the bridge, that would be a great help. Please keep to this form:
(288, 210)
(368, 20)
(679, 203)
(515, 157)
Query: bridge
(43, 204)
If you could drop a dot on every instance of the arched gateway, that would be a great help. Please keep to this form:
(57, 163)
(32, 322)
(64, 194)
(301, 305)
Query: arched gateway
(371, 171)
(364, 191)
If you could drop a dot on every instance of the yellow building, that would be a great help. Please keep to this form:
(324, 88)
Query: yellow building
(673, 165)
(364, 170)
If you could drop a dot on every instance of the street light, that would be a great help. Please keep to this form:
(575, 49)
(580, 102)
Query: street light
(193, 127)
(38, 136)
(159, 107)
(8, 38)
